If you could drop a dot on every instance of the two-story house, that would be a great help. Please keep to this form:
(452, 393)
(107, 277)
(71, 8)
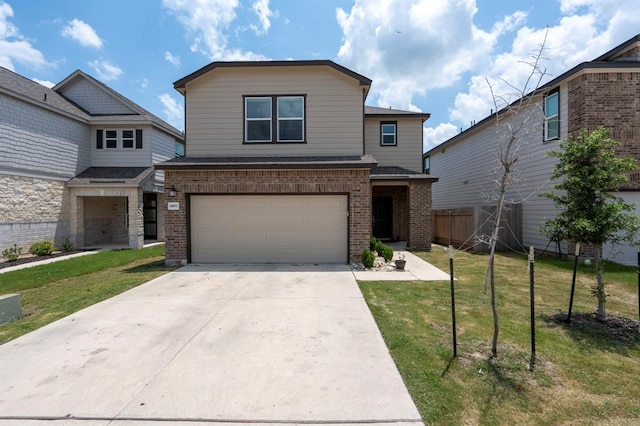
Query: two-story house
(285, 164)
(604, 91)
(76, 163)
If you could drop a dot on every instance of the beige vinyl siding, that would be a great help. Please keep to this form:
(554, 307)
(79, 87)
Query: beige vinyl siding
(163, 149)
(408, 151)
(466, 177)
(215, 120)
(122, 157)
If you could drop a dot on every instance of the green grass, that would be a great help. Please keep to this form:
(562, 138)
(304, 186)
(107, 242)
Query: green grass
(52, 291)
(583, 374)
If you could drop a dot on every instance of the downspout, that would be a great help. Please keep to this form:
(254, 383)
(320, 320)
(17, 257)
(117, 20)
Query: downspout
(364, 97)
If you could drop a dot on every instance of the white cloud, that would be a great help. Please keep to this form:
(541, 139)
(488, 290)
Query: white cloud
(588, 29)
(173, 110)
(106, 71)
(261, 9)
(433, 136)
(13, 46)
(144, 84)
(45, 83)
(403, 46)
(83, 33)
(208, 21)
(174, 60)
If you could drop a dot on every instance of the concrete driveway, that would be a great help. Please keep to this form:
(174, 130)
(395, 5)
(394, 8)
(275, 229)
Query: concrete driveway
(203, 344)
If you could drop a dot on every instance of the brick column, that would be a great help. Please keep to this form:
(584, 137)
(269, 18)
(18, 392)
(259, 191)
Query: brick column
(419, 215)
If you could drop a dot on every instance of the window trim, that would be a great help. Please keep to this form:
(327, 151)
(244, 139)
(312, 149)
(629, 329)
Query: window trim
(547, 119)
(274, 120)
(101, 139)
(426, 161)
(395, 133)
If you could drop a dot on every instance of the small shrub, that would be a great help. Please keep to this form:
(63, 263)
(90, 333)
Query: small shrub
(368, 258)
(387, 253)
(379, 248)
(41, 248)
(67, 245)
(372, 243)
(11, 254)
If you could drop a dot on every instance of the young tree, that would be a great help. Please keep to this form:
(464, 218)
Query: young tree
(515, 123)
(589, 172)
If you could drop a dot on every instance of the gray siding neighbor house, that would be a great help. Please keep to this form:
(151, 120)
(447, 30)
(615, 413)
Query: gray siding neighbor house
(76, 163)
(604, 91)
(284, 163)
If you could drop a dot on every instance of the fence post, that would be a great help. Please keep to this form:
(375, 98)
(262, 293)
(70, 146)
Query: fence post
(533, 307)
(453, 303)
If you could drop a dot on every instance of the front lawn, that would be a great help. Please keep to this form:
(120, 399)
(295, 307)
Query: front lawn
(585, 373)
(52, 291)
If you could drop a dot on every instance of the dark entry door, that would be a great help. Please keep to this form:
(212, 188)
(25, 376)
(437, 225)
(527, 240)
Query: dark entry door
(383, 217)
(150, 211)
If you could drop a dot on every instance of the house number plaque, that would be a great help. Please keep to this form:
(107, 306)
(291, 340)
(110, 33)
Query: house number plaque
(173, 205)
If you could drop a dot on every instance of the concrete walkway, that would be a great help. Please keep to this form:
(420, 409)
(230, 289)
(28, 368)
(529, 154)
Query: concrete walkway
(416, 269)
(211, 344)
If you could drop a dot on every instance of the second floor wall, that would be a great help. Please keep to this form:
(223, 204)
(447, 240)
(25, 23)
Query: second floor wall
(395, 141)
(218, 109)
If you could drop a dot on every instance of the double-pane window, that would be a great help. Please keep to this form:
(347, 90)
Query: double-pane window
(388, 134)
(263, 125)
(551, 121)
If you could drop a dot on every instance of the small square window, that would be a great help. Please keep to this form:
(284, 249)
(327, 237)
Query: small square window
(111, 139)
(127, 139)
(388, 135)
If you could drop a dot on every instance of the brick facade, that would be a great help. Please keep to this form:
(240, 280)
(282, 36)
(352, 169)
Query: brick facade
(352, 182)
(612, 100)
(420, 229)
(400, 208)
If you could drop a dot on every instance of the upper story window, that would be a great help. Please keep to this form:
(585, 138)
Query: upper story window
(262, 125)
(119, 139)
(427, 165)
(551, 118)
(389, 133)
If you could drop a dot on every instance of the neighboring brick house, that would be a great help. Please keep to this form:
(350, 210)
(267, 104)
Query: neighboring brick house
(76, 162)
(285, 164)
(605, 91)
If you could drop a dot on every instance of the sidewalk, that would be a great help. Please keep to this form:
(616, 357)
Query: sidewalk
(415, 270)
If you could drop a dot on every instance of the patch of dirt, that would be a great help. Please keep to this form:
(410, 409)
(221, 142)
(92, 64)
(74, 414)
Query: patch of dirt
(29, 258)
(615, 329)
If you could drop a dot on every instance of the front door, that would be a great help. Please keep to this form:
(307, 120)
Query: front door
(150, 212)
(383, 217)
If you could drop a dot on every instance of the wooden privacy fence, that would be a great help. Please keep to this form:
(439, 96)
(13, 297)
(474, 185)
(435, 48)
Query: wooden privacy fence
(471, 225)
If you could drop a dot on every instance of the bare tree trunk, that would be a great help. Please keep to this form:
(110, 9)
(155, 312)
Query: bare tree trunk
(600, 288)
(494, 341)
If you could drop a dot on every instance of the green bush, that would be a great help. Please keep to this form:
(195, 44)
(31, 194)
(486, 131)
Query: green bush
(11, 254)
(41, 248)
(372, 243)
(379, 248)
(387, 253)
(368, 258)
(67, 246)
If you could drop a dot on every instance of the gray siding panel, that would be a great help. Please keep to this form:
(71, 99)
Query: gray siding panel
(163, 149)
(122, 157)
(38, 140)
(93, 99)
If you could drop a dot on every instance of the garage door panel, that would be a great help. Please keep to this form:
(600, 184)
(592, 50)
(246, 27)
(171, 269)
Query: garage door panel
(269, 229)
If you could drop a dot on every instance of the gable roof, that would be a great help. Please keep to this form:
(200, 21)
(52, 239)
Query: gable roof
(35, 93)
(181, 84)
(141, 113)
(370, 111)
(609, 60)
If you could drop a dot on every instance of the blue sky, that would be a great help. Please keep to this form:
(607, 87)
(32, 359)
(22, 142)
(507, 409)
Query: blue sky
(429, 55)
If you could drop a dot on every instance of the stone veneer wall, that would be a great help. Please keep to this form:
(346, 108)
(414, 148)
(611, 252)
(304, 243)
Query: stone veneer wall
(610, 99)
(105, 220)
(354, 182)
(32, 209)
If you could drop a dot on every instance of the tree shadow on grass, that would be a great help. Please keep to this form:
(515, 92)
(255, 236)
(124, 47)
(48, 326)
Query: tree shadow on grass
(151, 266)
(614, 334)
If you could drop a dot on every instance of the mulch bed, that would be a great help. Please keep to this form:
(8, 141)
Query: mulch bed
(613, 329)
(28, 258)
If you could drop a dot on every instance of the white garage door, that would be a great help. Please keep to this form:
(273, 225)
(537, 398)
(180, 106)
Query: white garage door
(269, 228)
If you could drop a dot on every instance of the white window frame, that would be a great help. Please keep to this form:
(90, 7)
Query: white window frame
(394, 133)
(248, 119)
(116, 139)
(132, 138)
(552, 117)
(300, 119)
